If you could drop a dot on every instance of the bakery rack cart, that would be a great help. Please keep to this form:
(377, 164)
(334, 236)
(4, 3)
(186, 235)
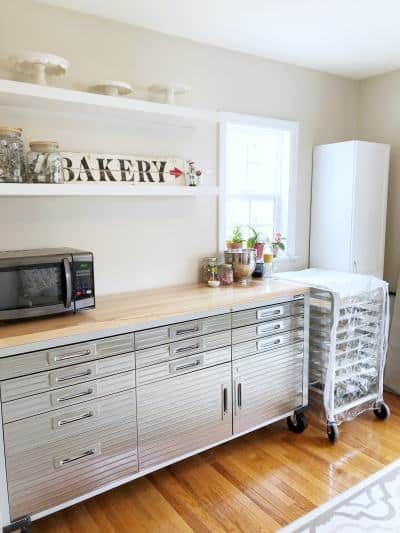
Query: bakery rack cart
(349, 317)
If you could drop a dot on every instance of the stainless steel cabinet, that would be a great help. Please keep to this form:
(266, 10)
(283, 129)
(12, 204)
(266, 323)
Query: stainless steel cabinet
(266, 386)
(183, 414)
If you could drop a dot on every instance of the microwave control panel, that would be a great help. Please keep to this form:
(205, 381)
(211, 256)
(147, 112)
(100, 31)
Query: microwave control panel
(83, 279)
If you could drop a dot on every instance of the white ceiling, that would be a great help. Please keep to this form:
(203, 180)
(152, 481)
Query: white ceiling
(352, 38)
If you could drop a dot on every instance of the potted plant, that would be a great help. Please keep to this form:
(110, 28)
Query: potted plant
(236, 241)
(278, 244)
(257, 242)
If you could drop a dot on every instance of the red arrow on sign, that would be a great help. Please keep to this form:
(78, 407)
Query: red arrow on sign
(176, 172)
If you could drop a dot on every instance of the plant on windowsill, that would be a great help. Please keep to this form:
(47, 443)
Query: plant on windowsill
(257, 242)
(236, 242)
(277, 244)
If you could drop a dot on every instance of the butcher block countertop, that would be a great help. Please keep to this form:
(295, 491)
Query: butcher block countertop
(122, 313)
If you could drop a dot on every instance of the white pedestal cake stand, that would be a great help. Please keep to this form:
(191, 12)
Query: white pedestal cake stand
(40, 65)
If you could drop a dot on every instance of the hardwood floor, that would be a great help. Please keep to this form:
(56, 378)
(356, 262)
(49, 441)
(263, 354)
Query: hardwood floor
(257, 483)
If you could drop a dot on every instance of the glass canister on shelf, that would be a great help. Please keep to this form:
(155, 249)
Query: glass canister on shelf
(204, 268)
(225, 273)
(212, 273)
(12, 160)
(44, 162)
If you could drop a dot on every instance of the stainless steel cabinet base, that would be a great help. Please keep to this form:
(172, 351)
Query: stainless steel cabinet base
(82, 418)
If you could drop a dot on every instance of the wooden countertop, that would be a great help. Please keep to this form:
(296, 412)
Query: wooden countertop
(136, 310)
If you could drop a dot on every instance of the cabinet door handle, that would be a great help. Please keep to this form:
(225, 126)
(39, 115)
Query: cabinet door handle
(65, 357)
(224, 402)
(183, 331)
(74, 396)
(188, 348)
(87, 372)
(67, 460)
(266, 328)
(239, 395)
(66, 421)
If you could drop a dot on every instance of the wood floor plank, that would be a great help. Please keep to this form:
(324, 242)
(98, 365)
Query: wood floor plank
(257, 483)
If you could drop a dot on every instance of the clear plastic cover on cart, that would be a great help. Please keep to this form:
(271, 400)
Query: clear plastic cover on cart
(349, 317)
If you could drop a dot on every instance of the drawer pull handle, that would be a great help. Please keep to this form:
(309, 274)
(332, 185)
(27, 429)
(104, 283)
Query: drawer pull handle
(72, 459)
(72, 355)
(268, 342)
(269, 327)
(66, 421)
(192, 364)
(264, 313)
(74, 396)
(188, 348)
(196, 329)
(87, 372)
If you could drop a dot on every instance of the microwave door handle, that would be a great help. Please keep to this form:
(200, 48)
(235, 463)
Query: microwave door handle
(68, 283)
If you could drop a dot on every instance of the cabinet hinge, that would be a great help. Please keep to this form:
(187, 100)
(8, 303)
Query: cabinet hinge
(22, 524)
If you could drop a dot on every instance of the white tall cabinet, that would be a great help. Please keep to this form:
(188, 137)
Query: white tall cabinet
(348, 213)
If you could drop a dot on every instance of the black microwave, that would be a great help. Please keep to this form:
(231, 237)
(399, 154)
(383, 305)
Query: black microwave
(45, 282)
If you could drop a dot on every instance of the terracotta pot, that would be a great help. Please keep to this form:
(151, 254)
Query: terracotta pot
(234, 245)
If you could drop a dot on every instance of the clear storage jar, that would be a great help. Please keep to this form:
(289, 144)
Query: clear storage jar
(44, 163)
(12, 161)
(225, 273)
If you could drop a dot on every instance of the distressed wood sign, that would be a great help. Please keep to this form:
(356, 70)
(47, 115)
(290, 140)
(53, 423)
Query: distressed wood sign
(80, 167)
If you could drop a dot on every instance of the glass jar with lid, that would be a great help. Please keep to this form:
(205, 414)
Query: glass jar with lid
(225, 272)
(12, 161)
(44, 162)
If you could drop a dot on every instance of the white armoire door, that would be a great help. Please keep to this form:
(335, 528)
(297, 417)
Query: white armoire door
(370, 201)
(348, 214)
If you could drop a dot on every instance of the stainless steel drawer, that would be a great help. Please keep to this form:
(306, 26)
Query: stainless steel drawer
(264, 329)
(41, 430)
(40, 478)
(49, 401)
(182, 330)
(21, 365)
(44, 381)
(244, 349)
(182, 365)
(269, 312)
(166, 352)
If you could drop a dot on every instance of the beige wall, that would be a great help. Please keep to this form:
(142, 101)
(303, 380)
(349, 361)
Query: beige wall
(159, 241)
(379, 120)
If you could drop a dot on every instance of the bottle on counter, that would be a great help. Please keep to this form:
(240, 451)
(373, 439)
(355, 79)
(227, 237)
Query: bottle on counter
(44, 162)
(212, 273)
(268, 264)
(12, 160)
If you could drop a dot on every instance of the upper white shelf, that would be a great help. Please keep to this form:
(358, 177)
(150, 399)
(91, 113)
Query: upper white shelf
(15, 93)
(102, 189)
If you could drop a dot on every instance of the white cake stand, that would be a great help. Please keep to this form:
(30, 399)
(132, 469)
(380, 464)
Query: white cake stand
(169, 91)
(112, 88)
(40, 65)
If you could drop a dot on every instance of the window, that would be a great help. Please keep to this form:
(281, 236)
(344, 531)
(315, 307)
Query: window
(258, 177)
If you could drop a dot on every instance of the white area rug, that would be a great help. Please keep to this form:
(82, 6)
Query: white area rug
(372, 506)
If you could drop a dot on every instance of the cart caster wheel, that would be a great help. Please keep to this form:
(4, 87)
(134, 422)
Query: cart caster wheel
(297, 423)
(382, 411)
(333, 432)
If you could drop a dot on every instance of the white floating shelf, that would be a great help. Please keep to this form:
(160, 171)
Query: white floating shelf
(15, 93)
(102, 189)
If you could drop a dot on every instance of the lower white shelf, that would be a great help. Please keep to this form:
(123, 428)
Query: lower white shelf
(102, 189)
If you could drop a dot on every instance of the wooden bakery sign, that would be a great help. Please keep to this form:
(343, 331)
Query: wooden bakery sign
(78, 167)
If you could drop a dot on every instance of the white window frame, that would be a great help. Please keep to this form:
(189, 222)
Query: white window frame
(293, 129)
